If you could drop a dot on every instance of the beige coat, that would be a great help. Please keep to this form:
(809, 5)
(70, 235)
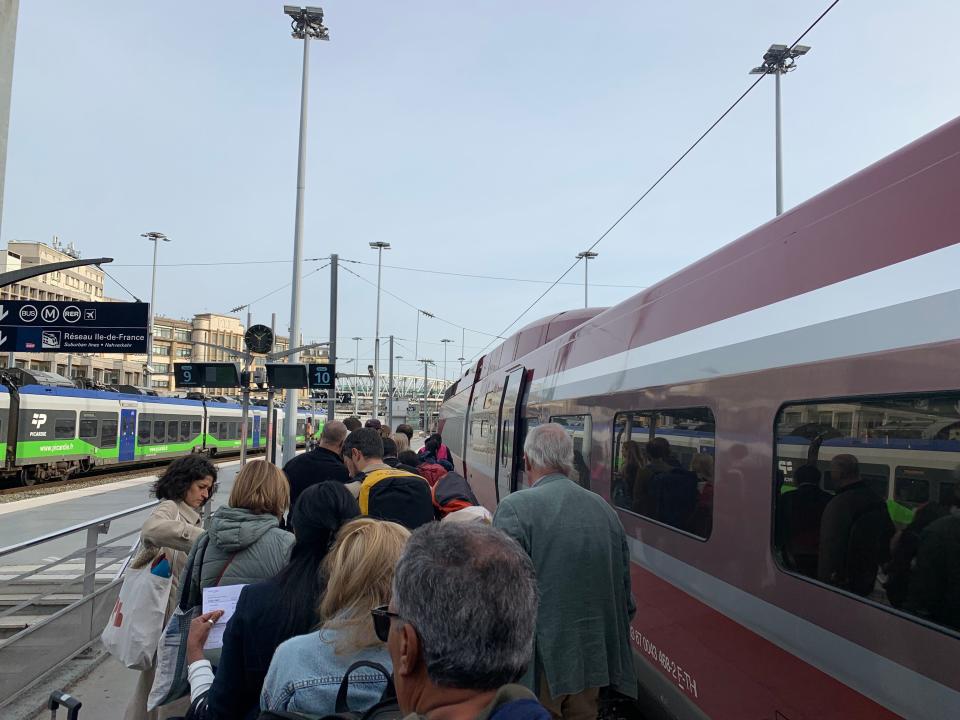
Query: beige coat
(172, 529)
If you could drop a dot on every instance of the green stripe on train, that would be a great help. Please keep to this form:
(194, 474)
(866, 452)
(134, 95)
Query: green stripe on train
(39, 449)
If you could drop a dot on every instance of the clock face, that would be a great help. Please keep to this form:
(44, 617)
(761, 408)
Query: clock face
(258, 339)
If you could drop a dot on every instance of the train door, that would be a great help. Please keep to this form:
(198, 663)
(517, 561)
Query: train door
(509, 445)
(256, 431)
(128, 435)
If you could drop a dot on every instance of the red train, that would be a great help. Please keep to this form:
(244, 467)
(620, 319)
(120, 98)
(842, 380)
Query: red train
(837, 322)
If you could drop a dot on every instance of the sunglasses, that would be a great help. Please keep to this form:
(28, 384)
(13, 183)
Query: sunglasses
(381, 621)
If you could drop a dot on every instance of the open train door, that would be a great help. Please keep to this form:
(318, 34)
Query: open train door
(509, 444)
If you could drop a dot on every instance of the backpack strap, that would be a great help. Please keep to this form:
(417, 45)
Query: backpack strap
(341, 706)
(186, 577)
(223, 570)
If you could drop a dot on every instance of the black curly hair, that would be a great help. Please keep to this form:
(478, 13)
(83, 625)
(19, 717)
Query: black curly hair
(181, 474)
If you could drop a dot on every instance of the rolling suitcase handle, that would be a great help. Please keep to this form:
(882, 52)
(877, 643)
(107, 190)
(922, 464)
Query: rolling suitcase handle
(59, 698)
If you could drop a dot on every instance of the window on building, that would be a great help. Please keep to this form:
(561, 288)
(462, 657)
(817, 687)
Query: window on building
(580, 429)
(65, 428)
(663, 466)
(850, 473)
(88, 428)
(161, 368)
(159, 383)
(181, 335)
(161, 349)
(184, 352)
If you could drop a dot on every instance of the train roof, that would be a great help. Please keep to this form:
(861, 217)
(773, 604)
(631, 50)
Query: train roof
(104, 395)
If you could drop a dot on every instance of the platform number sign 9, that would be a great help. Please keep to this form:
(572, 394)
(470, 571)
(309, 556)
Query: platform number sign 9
(322, 377)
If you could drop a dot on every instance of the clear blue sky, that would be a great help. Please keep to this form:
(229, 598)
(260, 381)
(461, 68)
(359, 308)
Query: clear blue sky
(495, 138)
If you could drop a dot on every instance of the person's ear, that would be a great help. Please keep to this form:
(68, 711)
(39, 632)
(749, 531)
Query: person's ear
(409, 650)
(526, 463)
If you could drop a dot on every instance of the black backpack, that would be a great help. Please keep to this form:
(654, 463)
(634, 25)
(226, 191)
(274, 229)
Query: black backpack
(386, 709)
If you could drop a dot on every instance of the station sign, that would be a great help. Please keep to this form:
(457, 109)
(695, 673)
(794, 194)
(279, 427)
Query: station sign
(287, 376)
(322, 376)
(206, 375)
(73, 326)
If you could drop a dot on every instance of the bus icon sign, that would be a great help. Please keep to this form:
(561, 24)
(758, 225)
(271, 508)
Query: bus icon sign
(28, 313)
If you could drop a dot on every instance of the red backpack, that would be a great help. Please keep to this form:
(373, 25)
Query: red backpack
(432, 472)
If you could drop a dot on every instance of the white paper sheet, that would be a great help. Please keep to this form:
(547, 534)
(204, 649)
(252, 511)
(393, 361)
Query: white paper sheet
(223, 598)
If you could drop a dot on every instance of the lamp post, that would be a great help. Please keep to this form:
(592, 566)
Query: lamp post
(426, 385)
(379, 246)
(156, 238)
(779, 59)
(306, 23)
(356, 386)
(461, 360)
(445, 342)
(586, 256)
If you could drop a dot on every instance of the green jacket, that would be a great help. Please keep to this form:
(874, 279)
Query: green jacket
(579, 550)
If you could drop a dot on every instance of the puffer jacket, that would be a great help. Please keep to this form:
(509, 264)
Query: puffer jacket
(254, 546)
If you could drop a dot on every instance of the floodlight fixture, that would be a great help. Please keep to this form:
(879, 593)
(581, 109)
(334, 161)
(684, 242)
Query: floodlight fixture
(307, 22)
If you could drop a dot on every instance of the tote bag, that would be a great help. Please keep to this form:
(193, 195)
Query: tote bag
(170, 682)
(134, 627)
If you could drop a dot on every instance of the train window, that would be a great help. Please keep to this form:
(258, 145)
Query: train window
(159, 431)
(143, 431)
(88, 428)
(184, 430)
(234, 431)
(172, 426)
(838, 506)
(663, 466)
(65, 427)
(580, 428)
(108, 433)
(213, 427)
(195, 428)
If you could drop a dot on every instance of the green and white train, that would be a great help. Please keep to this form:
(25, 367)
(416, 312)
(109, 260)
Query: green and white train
(48, 432)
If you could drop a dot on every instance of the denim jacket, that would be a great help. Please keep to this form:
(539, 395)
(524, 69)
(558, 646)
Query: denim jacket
(305, 675)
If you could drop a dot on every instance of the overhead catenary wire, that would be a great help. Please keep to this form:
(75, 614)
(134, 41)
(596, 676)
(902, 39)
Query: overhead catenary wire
(419, 309)
(215, 264)
(486, 277)
(122, 286)
(238, 308)
(655, 183)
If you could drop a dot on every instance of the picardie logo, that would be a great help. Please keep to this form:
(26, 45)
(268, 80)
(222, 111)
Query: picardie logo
(38, 419)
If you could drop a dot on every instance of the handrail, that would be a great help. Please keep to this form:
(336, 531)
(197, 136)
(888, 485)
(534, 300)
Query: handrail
(10, 549)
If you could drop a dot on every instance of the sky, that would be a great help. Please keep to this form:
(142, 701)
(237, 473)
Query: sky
(495, 138)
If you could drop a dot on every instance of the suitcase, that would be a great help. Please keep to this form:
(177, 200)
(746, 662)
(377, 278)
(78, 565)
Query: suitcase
(59, 699)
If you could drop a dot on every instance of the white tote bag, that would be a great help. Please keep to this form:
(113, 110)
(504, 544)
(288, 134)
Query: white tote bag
(136, 623)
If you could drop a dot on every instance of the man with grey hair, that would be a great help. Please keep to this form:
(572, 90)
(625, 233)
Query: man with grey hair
(322, 463)
(460, 625)
(579, 551)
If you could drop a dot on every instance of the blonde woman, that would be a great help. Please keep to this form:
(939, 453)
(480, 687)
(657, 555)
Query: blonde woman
(402, 441)
(306, 671)
(245, 543)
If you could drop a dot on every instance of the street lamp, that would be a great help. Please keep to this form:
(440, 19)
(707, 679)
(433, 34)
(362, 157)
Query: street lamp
(156, 238)
(306, 23)
(379, 246)
(586, 256)
(445, 341)
(779, 59)
(356, 386)
(398, 358)
(461, 360)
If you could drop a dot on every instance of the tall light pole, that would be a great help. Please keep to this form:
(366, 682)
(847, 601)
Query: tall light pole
(306, 23)
(379, 246)
(156, 238)
(426, 384)
(779, 59)
(445, 341)
(586, 256)
(356, 385)
(461, 360)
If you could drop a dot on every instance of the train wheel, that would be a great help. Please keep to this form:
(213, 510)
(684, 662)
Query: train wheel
(86, 465)
(27, 479)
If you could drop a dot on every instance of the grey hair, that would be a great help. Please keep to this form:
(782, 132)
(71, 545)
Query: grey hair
(549, 447)
(470, 592)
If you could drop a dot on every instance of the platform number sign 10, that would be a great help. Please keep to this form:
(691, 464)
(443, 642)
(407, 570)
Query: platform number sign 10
(322, 377)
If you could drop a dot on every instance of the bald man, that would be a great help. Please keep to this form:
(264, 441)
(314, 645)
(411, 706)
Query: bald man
(323, 463)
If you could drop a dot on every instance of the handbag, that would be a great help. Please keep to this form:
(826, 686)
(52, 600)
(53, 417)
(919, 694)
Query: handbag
(136, 622)
(170, 681)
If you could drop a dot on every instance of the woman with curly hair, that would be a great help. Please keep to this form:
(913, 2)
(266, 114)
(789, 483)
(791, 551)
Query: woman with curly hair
(173, 526)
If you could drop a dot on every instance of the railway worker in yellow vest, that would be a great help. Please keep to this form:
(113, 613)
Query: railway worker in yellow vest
(580, 554)
(382, 491)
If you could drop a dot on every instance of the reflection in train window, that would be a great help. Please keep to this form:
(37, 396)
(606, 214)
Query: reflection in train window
(580, 428)
(864, 500)
(213, 428)
(663, 466)
(159, 431)
(184, 430)
(108, 433)
(195, 427)
(88, 428)
(143, 431)
(64, 428)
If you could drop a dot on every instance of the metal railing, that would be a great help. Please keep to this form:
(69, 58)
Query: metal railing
(48, 641)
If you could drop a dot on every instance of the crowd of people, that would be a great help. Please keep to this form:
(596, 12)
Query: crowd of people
(361, 553)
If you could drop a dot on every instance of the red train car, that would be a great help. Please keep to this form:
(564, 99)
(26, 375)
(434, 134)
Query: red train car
(838, 324)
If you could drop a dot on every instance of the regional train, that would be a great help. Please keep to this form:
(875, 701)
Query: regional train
(50, 429)
(834, 328)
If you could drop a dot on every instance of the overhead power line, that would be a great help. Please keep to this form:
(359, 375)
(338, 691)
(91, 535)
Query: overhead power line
(215, 264)
(655, 183)
(238, 308)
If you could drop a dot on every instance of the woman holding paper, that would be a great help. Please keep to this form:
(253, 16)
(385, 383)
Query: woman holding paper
(166, 537)
(268, 612)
